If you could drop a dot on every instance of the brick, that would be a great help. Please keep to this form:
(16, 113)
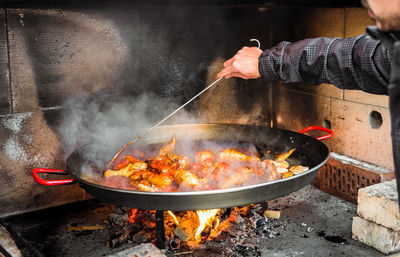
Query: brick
(379, 203)
(355, 137)
(376, 236)
(342, 176)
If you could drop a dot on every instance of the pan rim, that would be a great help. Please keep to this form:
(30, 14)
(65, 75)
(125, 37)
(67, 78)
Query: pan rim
(82, 181)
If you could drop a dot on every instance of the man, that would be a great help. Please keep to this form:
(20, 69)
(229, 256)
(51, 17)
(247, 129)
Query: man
(367, 62)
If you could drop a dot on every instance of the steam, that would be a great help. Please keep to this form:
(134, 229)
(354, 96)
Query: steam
(98, 126)
(106, 123)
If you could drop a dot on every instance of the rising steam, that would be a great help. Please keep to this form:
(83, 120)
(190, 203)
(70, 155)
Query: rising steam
(107, 123)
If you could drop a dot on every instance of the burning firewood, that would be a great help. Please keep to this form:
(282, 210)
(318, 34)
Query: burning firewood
(199, 227)
(186, 230)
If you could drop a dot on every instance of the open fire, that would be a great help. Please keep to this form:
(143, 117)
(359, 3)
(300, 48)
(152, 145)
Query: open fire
(188, 230)
(191, 227)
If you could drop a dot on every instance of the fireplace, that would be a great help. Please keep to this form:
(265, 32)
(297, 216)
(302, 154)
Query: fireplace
(66, 62)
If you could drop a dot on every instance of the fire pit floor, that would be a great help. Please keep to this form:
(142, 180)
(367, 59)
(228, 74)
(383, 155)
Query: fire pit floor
(312, 223)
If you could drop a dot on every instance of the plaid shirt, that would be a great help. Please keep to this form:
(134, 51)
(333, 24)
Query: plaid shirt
(353, 63)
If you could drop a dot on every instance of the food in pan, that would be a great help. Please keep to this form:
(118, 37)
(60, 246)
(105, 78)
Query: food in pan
(169, 172)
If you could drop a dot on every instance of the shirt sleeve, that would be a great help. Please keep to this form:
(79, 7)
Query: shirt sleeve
(352, 63)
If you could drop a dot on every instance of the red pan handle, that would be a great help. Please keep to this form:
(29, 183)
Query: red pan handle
(50, 182)
(318, 128)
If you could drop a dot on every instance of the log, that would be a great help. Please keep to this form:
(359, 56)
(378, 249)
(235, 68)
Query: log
(186, 230)
(272, 214)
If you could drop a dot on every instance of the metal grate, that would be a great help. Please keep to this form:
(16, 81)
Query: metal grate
(344, 180)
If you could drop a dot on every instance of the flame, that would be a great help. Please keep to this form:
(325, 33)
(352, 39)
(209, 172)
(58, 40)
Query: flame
(174, 217)
(197, 230)
(206, 219)
(132, 215)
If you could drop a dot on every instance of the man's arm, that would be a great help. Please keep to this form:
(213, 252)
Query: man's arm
(353, 63)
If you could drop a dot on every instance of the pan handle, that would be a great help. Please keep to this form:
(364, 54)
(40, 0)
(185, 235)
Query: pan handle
(318, 128)
(50, 182)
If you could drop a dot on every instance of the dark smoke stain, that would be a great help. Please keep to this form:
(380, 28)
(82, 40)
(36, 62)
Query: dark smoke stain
(334, 239)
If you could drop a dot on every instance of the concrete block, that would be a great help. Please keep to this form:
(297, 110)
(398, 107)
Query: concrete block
(354, 135)
(376, 236)
(366, 98)
(357, 19)
(327, 90)
(379, 203)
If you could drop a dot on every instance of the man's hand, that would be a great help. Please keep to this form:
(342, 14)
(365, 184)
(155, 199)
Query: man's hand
(243, 65)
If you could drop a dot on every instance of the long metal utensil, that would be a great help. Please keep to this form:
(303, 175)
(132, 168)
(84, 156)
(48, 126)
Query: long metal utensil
(167, 117)
(161, 121)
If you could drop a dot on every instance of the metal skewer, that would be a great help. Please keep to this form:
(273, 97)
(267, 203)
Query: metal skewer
(161, 121)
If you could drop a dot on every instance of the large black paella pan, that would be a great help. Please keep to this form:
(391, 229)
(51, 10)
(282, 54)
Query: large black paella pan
(309, 151)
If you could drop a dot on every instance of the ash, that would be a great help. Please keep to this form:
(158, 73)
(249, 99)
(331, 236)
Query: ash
(238, 235)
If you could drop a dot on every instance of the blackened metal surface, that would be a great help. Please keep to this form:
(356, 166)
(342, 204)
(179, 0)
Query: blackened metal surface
(312, 153)
(28, 141)
(126, 50)
(5, 88)
(57, 55)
